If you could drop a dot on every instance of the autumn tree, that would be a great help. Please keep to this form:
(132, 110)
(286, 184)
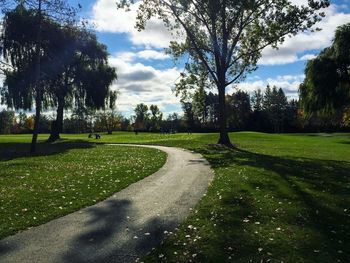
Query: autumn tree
(227, 36)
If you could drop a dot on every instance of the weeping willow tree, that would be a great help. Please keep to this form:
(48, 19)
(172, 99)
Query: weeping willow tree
(326, 88)
(24, 47)
(83, 76)
(74, 66)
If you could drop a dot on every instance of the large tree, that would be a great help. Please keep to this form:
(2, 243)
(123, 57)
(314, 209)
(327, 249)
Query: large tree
(227, 36)
(24, 46)
(75, 66)
(81, 74)
(326, 88)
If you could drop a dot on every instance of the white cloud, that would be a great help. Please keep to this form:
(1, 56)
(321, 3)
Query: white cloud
(303, 42)
(289, 84)
(307, 57)
(152, 54)
(148, 54)
(108, 18)
(139, 83)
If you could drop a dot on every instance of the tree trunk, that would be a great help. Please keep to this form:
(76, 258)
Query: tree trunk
(39, 94)
(38, 101)
(57, 125)
(224, 138)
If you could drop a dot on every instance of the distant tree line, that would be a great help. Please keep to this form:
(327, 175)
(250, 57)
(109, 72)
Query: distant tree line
(267, 111)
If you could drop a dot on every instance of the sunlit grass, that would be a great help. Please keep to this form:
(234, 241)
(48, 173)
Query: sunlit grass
(277, 198)
(64, 177)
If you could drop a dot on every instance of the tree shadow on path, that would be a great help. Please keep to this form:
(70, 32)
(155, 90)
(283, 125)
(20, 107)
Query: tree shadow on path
(112, 235)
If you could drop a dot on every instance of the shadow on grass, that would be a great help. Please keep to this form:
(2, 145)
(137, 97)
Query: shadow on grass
(317, 190)
(10, 151)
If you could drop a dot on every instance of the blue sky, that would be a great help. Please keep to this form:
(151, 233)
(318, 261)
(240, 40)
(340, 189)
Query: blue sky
(146, 74)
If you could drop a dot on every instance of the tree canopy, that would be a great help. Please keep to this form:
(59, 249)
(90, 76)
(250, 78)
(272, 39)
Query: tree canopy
(326, 88)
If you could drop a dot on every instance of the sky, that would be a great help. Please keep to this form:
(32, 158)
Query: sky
(146, 74)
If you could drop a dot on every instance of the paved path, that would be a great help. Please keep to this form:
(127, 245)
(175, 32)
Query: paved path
(123, 227)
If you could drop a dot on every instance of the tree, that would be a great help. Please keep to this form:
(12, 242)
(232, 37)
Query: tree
(108, 118)
(156, 118)
(275, 105)
(239, 110)
(6, 121)
(326, 88)
(258, 117)
(227, 36)
(82, 75)
(213, 109)
(199, 104)
(24, 47)
(141, 117)
(188, 115)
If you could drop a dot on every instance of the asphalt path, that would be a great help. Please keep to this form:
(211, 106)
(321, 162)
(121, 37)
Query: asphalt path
(123, 227)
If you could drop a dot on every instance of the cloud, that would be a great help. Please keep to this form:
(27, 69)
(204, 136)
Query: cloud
(138, 76)
(139, 83)
(147, 54)
(108, 18)
(307, 41)
(152, 54)
(289, 84)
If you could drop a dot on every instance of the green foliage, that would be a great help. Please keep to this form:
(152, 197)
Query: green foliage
(326, 88)
(239, 110)
(74, 67)
(7, 119)
(275, 105)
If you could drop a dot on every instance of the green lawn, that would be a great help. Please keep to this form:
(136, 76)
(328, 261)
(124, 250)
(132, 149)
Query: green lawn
(277, 198)
(63, 177)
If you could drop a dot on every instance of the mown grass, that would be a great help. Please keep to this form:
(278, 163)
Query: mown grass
(63, 177)
(276, 198)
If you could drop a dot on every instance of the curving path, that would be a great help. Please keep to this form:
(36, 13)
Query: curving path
(123, 227)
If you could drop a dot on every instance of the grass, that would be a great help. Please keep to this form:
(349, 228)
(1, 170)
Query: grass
(63, 177)
(277, 198)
